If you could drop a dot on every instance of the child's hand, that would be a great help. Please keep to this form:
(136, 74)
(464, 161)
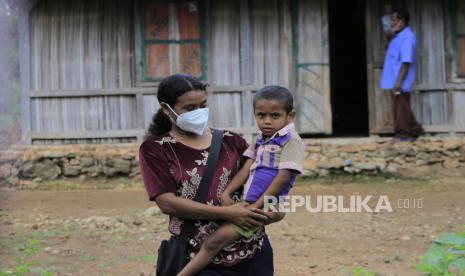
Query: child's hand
(226, 199)
(254, 205)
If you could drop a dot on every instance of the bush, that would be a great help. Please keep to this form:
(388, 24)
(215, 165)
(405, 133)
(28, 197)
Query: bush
(445, 257)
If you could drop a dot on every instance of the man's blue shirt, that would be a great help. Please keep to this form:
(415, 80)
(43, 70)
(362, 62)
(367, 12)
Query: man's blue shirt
(401, 49)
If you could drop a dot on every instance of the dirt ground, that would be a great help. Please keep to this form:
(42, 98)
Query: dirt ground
(89, 231)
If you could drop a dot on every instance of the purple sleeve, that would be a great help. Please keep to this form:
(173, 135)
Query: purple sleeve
(155, 171)
(407, 50)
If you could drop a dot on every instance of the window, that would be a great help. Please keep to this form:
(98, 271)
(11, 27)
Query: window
(458, 37)
(172, 39)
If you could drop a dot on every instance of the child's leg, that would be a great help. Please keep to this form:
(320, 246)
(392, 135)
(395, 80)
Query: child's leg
(219, 239)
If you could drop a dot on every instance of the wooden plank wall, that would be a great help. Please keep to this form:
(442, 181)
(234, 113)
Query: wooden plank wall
(86, 80)
(436, 98)
(312, 58)
(81, 45)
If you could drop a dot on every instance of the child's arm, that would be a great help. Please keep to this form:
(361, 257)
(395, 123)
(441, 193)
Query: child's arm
(238, 180)
(276, 186)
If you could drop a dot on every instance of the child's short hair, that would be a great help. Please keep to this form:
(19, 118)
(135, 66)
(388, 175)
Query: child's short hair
(275, 92)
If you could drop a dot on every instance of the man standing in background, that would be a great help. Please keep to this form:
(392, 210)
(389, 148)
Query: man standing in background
(398, 76)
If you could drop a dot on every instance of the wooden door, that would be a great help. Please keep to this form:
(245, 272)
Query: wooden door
(311, 59)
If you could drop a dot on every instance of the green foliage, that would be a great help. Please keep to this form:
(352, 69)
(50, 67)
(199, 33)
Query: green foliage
(24, 264)
(358, 271)
(147, 258)
(446, 256)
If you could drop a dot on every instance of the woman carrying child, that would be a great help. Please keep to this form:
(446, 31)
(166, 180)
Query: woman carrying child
(173, 158)
(273, 162)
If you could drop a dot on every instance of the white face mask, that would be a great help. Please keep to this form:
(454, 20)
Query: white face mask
(193, 121)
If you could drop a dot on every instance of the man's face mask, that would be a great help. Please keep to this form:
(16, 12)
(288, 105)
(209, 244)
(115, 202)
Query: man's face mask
(194, 121)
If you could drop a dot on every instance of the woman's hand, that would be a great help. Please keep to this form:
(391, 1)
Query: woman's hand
(240, 215)
(226, 199)
(272, 217)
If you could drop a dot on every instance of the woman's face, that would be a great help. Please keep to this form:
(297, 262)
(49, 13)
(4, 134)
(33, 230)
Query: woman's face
(189, 101)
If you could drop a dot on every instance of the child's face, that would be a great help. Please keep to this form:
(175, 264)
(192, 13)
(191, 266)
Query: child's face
(271, 116)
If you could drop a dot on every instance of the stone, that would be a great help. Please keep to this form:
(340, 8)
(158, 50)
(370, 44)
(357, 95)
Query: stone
(332, 153)
(350, 148)
(128, 157)
(380, 164)
(313, 149)
(71, 170)
(451, 164)
(432, 147)
(392, 168)
(94, 174)
(6, 170)
(435, 160)
(103, 160)
(122, 166)
(46, 169)
(360, 158)
(352, 170)
(87, 161)
(406, 238)
(310, 164)
(50, 155)
(334, 163)
(93, 171)
(365, 166)
(135, 171)
(109, 172)
(310, 173)
(74, 162)
(452, 144)
(399, 161)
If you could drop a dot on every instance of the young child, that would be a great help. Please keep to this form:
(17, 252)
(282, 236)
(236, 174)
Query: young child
(273, 162)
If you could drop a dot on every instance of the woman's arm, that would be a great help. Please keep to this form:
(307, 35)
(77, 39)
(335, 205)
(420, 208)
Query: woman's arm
(180, 207)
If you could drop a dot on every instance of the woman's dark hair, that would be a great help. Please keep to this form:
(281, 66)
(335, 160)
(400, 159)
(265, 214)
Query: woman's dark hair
(275, 92)
(169, 90)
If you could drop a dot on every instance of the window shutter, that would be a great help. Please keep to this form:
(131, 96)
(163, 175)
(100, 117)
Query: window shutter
(172, 41)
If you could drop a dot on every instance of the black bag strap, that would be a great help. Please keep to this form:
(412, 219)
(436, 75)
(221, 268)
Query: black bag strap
(205, 183)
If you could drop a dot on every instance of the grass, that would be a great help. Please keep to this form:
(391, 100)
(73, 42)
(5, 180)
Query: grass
(47, 234)
(25, 261)
(147, 258)
(108, 263)
(89, 258)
